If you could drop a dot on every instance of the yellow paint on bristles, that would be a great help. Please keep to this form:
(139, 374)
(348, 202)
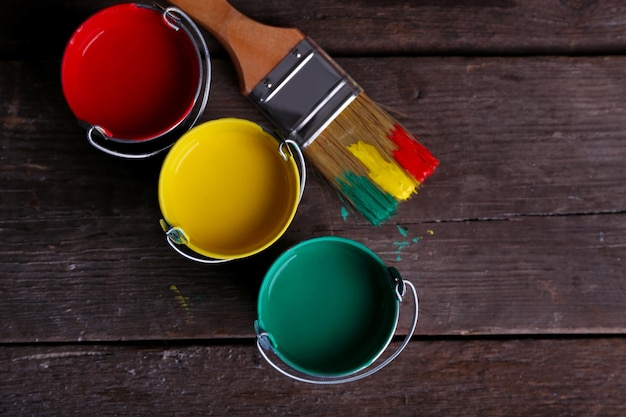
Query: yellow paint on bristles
(387, 174)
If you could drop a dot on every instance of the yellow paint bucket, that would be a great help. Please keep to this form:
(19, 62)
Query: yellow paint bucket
(229, 189)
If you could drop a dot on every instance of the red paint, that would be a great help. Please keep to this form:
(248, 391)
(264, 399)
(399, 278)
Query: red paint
(126, 70)
(412, 155)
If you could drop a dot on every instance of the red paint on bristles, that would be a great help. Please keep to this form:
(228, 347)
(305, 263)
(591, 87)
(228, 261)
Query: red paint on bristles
(414, 157)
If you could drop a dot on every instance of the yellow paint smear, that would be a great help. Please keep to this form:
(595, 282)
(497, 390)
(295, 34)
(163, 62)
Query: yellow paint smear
(388, 175)
(182, 300)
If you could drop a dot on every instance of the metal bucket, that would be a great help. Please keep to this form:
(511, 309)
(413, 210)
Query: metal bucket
(228, 189)
(328, 309)
(136, 77)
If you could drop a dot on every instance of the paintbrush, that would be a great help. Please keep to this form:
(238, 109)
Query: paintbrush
(357, 146)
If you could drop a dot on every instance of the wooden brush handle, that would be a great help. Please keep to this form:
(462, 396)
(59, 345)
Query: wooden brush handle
(255, 48)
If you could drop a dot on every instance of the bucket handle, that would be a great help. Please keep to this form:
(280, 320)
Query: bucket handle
(170, 16)
(100, 131)
(263, 343)
(177, 238)
(300, 161)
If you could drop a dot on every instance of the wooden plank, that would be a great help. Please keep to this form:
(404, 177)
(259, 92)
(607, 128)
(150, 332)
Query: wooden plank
(532, 157)
(453, 26)
(579, 377)
(514, 136)
(520, 232)
(529, 135)
(369, 27)
(530, 276)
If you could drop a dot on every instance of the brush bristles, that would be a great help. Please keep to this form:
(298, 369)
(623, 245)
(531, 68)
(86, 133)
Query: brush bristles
(370, 159)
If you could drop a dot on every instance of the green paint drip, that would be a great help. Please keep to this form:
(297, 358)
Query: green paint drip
(369, 200)
(344, 213)
(401, 245)
(403, 231)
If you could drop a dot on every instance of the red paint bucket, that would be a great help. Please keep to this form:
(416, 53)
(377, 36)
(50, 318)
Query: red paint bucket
(136, 76)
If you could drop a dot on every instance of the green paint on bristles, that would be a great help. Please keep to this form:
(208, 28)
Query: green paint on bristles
(373, 203)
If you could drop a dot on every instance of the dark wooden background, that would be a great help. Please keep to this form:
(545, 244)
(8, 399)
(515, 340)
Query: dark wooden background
(517, 244)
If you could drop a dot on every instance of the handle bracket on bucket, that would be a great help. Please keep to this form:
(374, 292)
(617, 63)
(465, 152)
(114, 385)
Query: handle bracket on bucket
(264, 344)
(177, 239)
(287, 154)
(399, 283)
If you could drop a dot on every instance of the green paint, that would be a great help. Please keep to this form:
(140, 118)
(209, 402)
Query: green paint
(199, 299)
(328, 306)
(344, 213)
(401, 245)
(373, 203)
(403, 231)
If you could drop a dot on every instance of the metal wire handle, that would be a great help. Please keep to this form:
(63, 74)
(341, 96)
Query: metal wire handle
(198, 36)
(100, 131)
(300, 160)
(174, 234)
(262, 346)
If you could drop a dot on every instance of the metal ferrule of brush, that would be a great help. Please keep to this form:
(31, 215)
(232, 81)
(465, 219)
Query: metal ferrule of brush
(304, 93)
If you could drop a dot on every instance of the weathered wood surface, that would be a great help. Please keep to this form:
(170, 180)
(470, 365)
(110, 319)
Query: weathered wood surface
(344, 27)
(526, 212)
(521, 231)
(551, 378)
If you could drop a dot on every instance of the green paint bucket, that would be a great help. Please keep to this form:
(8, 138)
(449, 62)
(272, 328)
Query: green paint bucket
(328, 309)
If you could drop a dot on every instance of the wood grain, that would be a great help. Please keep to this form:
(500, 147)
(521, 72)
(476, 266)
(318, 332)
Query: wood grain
(370, 27)
(255, 48)
(516, 136)
(516, 244)
(451, 377)
(522, 226)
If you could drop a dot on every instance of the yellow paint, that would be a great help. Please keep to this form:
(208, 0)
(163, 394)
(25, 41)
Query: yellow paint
(227, 187)
(388, 175)
(430, 232)
(182, 300)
